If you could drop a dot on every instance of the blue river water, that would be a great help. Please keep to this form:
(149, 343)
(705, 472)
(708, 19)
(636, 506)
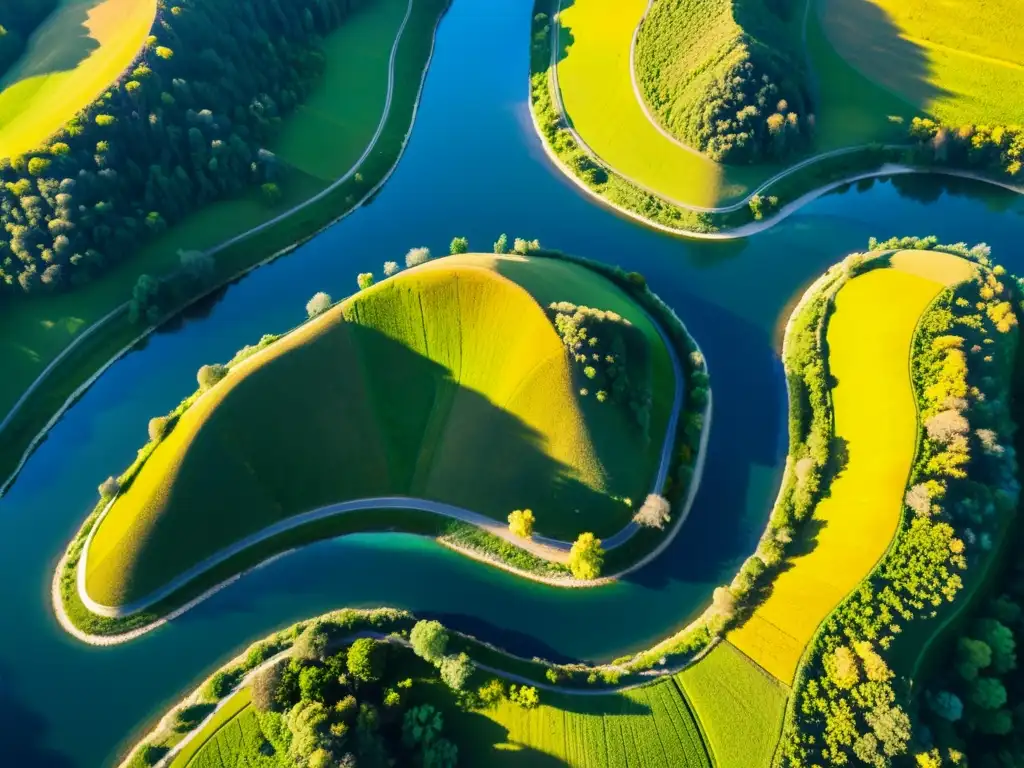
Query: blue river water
(473, 167)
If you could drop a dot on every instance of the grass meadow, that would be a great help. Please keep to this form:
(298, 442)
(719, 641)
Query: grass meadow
(34, 331)
(234, 728)
(650, 726)
(739, 706)
(72, 58)
(448, 382)
(869, 341)
(594, 78)
(962, 64)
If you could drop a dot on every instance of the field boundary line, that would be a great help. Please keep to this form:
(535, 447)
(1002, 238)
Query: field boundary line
(237, 275)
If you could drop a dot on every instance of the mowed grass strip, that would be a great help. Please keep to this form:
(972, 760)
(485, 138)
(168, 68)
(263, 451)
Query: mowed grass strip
(447, 382)
(70, 60)
(594, 78)
(739, 706)
(869, 338)
(214, 733)
(960, 64)
(649, 726)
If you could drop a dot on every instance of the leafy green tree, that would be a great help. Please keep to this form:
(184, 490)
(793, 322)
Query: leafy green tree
(987, 693)
(429, 640)
(157, 428)
(364, 280)
(209, 375)
(366, 659)
(586, 557)
(525, 696)
(520, 523)
(501, 245)
(999, 638)
(458, 245)
(491, 693)
(972, 656)
(456, 671)
(311, 645)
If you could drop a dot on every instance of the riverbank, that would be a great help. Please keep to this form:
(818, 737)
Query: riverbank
(95, 348)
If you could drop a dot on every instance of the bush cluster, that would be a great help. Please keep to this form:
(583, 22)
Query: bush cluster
(847, 707)
(997, 149)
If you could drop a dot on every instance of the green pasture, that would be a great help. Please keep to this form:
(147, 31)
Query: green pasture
(962, 64)
(232, 726)
(448, 382)
(739, 707)
(650, 726)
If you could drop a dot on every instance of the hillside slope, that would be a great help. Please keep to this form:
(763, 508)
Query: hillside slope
(447, 382)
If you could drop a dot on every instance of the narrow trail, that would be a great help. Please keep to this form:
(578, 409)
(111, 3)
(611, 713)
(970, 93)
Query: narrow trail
(99, 324)
(551, 550)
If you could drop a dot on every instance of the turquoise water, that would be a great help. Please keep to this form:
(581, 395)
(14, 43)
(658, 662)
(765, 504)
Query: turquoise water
(474, 168)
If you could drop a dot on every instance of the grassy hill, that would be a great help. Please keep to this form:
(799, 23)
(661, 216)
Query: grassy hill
(448, 382)
(69, 61)
(961, 67)
(715, 71)
(869, 343)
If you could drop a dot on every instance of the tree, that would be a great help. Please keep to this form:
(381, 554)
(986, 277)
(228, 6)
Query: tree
(586, 557)
(456, 671)
(491, 693)
(946, 705)
(364, 280)
(271, 193)
(520, 523)
(320, 303)
(390, 268)
(525, 696)
(108, 488)
(945, 425)
(501, 245)
(654, 512)
(429, 639)
(158, 428)
(417, 256)
(999, 638)
(971, 656)
(987, 693)
(366, 659)
(311, 645)
(265, 686)
(209, 375)
(459, 245)
(197, 265)
(524, 247)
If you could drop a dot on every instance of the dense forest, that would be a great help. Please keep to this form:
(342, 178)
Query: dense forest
(726, 77)
(186, 125)
(18, 20)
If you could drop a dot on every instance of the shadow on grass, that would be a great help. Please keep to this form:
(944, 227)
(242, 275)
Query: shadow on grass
(866, 36)
(59, 45)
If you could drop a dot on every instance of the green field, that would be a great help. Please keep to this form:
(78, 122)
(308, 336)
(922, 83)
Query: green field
(869, 343)
(960, 64)
(650, 726)
(447, 382)
(232, 726)
(594, 79)
(71, 59)
(739, 707)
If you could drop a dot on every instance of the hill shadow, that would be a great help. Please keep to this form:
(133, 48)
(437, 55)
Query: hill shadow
(347, 414)
(866, 36)
(59, 44)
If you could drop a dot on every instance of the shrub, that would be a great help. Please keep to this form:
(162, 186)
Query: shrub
(429, 639)
(108, 488)
(158, 428)
(364, 280)
(221, 684)
(586, 557)
(654, 512)
(390, 268)
(417, 256)
(320, 303)
(459, 245)
(525, 696)
(520, 523)
(209, 375)
(265, 687)
(491, 693)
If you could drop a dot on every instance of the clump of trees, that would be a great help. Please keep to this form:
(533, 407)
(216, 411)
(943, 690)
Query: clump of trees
(429, 641)
(962, 486)
(994, 148)
(188, 124)
(611, 355)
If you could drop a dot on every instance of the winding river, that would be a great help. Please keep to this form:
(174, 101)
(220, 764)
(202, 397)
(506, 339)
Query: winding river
(473, 167)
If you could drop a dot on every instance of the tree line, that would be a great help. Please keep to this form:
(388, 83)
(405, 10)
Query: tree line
(186, 125)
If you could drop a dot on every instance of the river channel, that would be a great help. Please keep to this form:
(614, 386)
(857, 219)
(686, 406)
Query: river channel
(473, 167)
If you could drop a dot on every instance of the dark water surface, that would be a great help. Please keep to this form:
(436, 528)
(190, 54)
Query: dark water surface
(474, 168)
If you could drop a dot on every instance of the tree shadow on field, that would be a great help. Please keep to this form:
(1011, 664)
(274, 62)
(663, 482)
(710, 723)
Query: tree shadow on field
(23, 735)
(60, 44)
(867, 37)
(566, 38)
